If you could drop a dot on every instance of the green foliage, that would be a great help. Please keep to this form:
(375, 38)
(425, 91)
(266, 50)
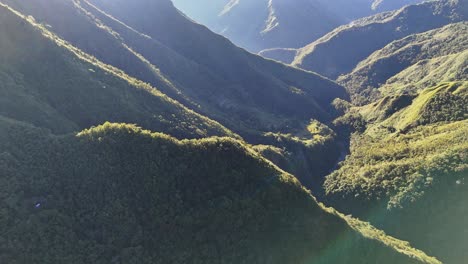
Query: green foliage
(341, 106)
(386, 107)
(406, 171)
(448, 105)
(320, 131)
(433, 105)
(423, 49)
(207, 74)
(309, 156)
(426, 73)
(95, 92)
(399, 166)
(122, 194)
(350, 122)
(51, 84)
(117, 193)
(369, 231)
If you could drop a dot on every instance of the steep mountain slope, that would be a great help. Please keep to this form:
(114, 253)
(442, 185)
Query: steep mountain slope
(265, 97)
(446, 102)
(148, 198)
(284, 55)
(48, 83)
(383, 64)
(386, 5)
(426, 73)
(352, 10)
(340, 51)
(154, 42)
(266, 24)
(189, 63)
(119, 194)
(257, 25)
(254, 75)
(406, 169)
(406, 172)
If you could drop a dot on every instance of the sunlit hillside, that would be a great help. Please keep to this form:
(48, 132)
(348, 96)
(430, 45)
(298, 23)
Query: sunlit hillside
(135, 132)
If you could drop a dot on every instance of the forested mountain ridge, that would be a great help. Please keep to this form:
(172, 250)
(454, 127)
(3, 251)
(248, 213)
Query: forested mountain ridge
(114, 192)
(64, 89)
(407, 161)
(364, 36)
(408, 166)
(203, 71)
(75, 188)
(374, 72)
(415, 78)
(117, 193)
(406, 169)
(207, 73)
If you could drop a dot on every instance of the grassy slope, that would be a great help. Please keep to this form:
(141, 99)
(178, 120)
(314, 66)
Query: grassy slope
(116, 192)
(395, 57)
(417, 130)
(444, 102)
(407, 167)
(426, 73)
(362, 37)
(406, 173)
(63, 89)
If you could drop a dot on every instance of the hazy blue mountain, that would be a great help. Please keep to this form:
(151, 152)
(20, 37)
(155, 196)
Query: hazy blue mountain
(265, 24)
(341, 50)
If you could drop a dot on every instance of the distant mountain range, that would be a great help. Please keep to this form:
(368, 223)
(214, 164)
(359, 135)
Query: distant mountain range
(129, 133)
(266, 24)
(392, 63)
(116, 193)
(408, 83)
(207, 74)
(407, 165)
(329, 57)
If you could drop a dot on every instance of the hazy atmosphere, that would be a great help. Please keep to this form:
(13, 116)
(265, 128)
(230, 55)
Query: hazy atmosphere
(233, 131)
